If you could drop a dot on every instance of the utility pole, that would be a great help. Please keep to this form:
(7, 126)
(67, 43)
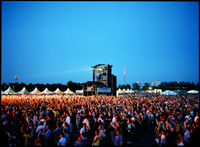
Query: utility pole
(124, 75)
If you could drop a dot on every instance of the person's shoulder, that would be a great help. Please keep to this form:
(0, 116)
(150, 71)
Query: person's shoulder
(121, 136)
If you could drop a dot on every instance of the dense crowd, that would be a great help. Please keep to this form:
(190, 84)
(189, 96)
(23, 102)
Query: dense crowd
(42, 120)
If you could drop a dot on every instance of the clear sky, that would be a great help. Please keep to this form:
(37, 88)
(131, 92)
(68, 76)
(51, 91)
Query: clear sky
(55, 42)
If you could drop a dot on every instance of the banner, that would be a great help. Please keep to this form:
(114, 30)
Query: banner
(104, 90)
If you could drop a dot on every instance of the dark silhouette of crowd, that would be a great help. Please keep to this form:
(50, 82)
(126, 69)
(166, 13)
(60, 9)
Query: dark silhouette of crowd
(59, 120)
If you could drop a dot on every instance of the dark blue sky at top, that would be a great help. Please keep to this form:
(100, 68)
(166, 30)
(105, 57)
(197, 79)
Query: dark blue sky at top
(55, 42)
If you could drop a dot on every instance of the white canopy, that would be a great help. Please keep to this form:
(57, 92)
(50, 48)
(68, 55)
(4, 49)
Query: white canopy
(35, 91)
(46, 91)
(131, 91)
(193, 91)
(57, 91)
(127, 91)
(68, 91)
(168, 92)
(79, 91)
(9, 91)
(119, 91)
(23, 91)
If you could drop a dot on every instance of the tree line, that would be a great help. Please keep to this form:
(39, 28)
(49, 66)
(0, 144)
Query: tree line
(78, 86)
(164, 86)
(41, 87)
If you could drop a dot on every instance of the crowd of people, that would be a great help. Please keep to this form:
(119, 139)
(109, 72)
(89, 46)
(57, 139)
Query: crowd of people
(60, 120)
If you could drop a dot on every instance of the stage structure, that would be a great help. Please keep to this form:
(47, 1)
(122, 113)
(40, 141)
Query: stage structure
(104, 82)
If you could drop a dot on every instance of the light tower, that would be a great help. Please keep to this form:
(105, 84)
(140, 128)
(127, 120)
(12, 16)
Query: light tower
(124, 75)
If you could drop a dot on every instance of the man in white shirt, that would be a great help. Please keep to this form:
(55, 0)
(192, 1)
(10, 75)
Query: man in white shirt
(41, 126)
(114, 119)
(196, 119)
(87, 123)
(83, 132)
(68, 120)
(162, 138)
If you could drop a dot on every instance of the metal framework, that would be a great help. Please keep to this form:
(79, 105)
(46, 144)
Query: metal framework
(102, 73)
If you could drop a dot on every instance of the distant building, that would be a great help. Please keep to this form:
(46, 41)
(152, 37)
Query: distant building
(157, 83)
(152, 84)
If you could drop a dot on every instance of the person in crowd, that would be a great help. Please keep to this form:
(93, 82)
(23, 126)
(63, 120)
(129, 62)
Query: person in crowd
(84, 133)
(79, 142)
(118, 139)
(62, 141)
(162, 138)
(28, 137)
(57, 133)
(48, 136)
(96, 139)
(66, 135)
(137, 115)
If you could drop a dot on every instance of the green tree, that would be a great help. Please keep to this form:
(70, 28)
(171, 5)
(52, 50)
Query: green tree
(127, 86)
(146, 86)
(136, 86)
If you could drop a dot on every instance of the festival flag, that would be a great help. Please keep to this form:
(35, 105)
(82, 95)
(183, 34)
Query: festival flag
(15, 78)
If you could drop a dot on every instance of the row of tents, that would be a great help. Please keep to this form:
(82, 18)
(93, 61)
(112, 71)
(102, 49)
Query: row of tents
(80, 92)
(167, 92)
(36, 91)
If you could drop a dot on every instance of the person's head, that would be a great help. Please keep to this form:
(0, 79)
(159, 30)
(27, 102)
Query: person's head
(64, 131)
(99, 128)
(172, 129)
(41, 123)
(61, 135)
(117, 133)
(46, 127)
(96, 132)
(41, 131)
(162, 132)
(79, 138)
(57, 125)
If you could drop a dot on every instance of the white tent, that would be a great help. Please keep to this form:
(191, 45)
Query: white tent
(9, 91)
(35, 91)
(23, 91)
(131, 91)
(127, 91)
(168, 92)
(68, 91)
(57, 91)
(119, 91)
(46, 91)
(193, 91)
(79, 91)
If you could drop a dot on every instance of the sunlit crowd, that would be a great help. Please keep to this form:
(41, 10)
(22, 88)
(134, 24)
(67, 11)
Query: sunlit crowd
(60, 120)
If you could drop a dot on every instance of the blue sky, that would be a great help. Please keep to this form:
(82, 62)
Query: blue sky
(55, 42)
